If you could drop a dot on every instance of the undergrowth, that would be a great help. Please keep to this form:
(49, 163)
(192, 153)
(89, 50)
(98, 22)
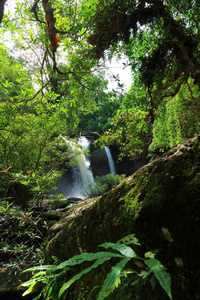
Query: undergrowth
(21, 236)
(58, 278)
(103, 184)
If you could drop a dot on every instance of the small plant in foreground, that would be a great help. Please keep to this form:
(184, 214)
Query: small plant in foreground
(55, 283)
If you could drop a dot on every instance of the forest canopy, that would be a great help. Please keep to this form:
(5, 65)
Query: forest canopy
(53, 56)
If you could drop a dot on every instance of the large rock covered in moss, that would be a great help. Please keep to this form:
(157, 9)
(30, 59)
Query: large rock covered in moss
(160, 203)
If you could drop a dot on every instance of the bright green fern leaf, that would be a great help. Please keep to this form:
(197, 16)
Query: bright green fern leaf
(161, 275)
(53, 276)
(45, 267)
(30, 289)
(83, 257)
(79, 275)
(112, 280)
(123, 249)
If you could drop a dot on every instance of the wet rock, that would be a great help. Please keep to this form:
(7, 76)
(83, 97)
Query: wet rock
(74, 199)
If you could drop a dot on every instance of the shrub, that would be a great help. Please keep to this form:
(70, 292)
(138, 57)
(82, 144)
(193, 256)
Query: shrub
(22, 234)
(38, 184)
(103, 184)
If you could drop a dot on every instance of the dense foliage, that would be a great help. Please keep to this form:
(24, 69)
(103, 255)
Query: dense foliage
(22, 234)
(63, 44)
(53, 84)
(58, 278)
(103, 184)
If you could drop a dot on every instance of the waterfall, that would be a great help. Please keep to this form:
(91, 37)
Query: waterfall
(110, 161)
(81, 175)
(84, 163)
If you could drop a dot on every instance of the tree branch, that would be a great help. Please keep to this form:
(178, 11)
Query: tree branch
(2, 3)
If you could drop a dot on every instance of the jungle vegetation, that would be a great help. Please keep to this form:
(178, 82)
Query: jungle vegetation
(53, 57)
(53, 82)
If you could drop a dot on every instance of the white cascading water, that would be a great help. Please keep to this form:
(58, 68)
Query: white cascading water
(84, 164)
(110, 161)
(82, 175)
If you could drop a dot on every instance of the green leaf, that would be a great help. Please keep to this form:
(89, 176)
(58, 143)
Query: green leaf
(50, 290)
(135, 282)
(129, 239)
(79, 275)
(41, 273)
(29, 289)
(161, 275)
(112, 280)
(151, 254)
(153, 281)
(144, 274)
(78, 259)
(82, 31)
(123, 249)
(38, 268)
(34, 280)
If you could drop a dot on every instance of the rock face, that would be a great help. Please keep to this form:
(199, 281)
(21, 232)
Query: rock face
(160, 203)
(127, 166)
(100, 167)
(99, 162)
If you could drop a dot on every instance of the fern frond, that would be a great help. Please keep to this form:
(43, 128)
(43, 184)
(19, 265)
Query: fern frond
(51, 276)
(50, 290)
(83, 257)
(123, 249)
(42, 277)
(79, 275)
(38, 297)
(30, 289)
(161, 275)
(112, 280)
(41, 274)
(31, 281)
(38, 268)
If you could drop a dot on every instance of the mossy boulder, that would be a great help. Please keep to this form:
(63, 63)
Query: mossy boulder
(160, 203)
